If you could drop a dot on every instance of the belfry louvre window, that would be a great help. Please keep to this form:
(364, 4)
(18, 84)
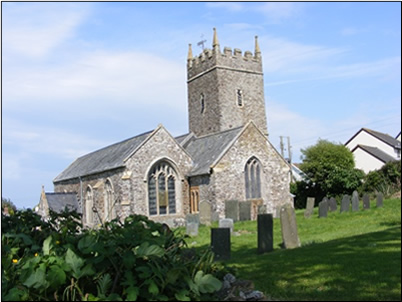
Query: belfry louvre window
(253, 178)
(162, 190)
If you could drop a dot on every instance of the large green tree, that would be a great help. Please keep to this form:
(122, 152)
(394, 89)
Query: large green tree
(331, 169)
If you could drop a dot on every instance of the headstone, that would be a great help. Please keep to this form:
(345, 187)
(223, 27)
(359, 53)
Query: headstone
(220, 243)
(323, 208)
(265, 229)
(332, 204)
(205, 213)
(380, 199)
(215, 217)
(262, 209)
(193, 218)
(192, 229)
(289, 227)
(309, 207)
(345, 204)
(232, 209)
(366, 201)
(226, 223)
(355, 201)
(245, 210)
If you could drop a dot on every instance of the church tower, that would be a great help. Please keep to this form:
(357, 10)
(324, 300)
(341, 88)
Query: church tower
(225, 89)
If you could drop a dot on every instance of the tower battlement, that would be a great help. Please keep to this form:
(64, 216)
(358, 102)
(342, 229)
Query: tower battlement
(235, 59)
(225, 89)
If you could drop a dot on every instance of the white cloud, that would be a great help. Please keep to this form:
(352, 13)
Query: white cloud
(98, 77)
(35, 29)
(278, 11)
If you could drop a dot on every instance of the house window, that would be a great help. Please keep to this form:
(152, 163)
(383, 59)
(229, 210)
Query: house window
(202, 103)
(89, 203)
(253, 178)
(162, 190)
(110, 209)
(239, 94)
(194, 199)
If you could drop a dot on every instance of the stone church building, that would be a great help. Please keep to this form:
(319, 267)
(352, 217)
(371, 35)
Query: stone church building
(225, 156)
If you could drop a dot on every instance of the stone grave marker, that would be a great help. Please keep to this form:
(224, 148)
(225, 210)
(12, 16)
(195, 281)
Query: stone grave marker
(290, 237)
(355, 201)
(193, 218)
(232, 209)
(226, 223)
(220, 243)
(380, 200)
(265, 230)
(245, 210)
(262, 209)
(215, 217)
(192, 229)
(332, 204)
(323, 208)
(366, 201)
(309, 207)
(205, 213)
(345, 204)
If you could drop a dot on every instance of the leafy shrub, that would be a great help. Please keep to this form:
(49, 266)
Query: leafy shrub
(386, 180)
(135, 260)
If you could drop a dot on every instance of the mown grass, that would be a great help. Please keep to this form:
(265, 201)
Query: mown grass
(349, 256)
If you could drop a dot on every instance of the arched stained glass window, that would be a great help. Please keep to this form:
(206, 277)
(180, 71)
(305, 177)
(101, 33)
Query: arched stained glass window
(252, 175)
(162, 189)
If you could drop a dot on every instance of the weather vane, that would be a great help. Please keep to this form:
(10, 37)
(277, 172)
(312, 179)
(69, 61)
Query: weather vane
(201, 43)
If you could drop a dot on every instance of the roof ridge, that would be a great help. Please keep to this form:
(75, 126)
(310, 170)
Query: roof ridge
(216, 133)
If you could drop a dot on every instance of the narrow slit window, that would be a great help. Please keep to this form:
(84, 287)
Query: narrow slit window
(202, 103)
(239, 97)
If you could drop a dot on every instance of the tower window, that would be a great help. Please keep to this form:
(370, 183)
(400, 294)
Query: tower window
(202, 103)
(239, 93)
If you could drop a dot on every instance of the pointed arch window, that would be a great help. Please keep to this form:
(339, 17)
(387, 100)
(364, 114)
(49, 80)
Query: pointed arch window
(89, 203)
(253, 178)
(162, 189)
(109, 205)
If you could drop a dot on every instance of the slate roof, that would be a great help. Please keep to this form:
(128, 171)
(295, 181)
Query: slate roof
(203, 150)
(377, 153)
(381, 136)
(108, 158)
(206, 149)
(58, 201)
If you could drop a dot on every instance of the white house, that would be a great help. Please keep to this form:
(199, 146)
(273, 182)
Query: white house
(372, 149)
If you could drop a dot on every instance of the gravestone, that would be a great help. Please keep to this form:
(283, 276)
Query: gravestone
(232, 209)
(226, 223)
(192, 229)
(193, 218)
(215, 217)
(265, 229)
(345, 204)
(355, 201)
(245, 210)
(205, 213)
(366, 201)
(309, 207)
(290, 237)
(332, 204)
(220, 243)
(380, 199)
(323, 208)
(262, 209)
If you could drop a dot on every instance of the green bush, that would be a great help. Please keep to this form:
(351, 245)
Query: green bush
(135, 260)
(386, 180)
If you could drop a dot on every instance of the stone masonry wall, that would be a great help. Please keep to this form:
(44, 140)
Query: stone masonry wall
(228, 177)
(161, 146)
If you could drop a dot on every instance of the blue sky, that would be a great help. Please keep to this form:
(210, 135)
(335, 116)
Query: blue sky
(79, 76)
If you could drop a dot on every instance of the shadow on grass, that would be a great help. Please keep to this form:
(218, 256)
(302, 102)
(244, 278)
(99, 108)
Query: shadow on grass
(365, 267)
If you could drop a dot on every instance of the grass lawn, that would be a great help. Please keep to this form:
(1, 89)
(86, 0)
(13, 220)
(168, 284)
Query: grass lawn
(348, 256)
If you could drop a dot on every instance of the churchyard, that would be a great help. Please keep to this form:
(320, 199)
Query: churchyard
(352, 252)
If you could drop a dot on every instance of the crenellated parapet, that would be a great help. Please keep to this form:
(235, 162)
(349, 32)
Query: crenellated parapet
(214, 58)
